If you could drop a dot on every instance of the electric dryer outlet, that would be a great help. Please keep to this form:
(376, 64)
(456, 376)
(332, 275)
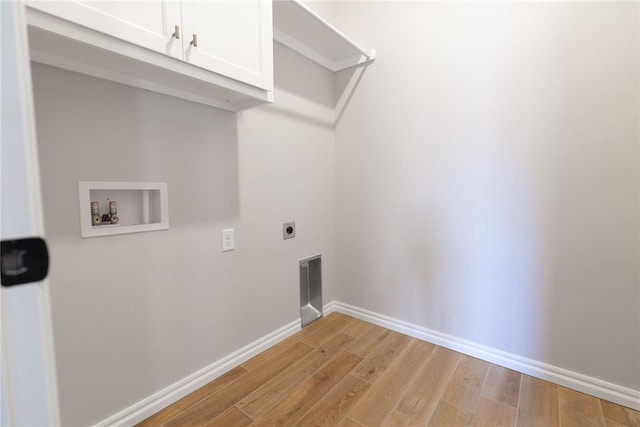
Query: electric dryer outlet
(288, 230)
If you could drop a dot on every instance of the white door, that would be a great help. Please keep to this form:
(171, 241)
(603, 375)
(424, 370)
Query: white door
(28, 381)
(234, 38)
(150, 24)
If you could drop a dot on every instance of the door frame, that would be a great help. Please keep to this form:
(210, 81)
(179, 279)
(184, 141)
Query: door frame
(28, 388)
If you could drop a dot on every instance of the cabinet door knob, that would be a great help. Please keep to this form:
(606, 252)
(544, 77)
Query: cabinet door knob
(194, 41)
(176, 32)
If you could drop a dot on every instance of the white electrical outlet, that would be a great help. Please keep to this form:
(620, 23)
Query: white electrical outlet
(227, 240)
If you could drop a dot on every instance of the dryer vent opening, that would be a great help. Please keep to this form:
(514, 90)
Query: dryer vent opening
(310, 289)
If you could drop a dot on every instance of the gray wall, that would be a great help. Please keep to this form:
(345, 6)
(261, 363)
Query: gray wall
(135, 313)
(487, 171)
(483, 183)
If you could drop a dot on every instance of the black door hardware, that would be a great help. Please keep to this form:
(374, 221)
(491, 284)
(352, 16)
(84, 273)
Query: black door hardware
(24, 261)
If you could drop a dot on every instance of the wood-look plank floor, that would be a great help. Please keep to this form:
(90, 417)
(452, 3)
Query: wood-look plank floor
(341, 371)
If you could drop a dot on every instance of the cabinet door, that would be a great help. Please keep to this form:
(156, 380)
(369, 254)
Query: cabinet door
(149, 24)
(234, 38)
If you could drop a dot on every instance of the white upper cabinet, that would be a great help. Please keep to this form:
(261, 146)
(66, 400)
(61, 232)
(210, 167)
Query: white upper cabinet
(215, 52)
(233, 37)
(149, 24)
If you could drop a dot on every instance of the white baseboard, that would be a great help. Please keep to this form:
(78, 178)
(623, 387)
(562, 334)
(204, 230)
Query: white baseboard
(329, 308)
(165, 397)
(589, 385)
(160, 400)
